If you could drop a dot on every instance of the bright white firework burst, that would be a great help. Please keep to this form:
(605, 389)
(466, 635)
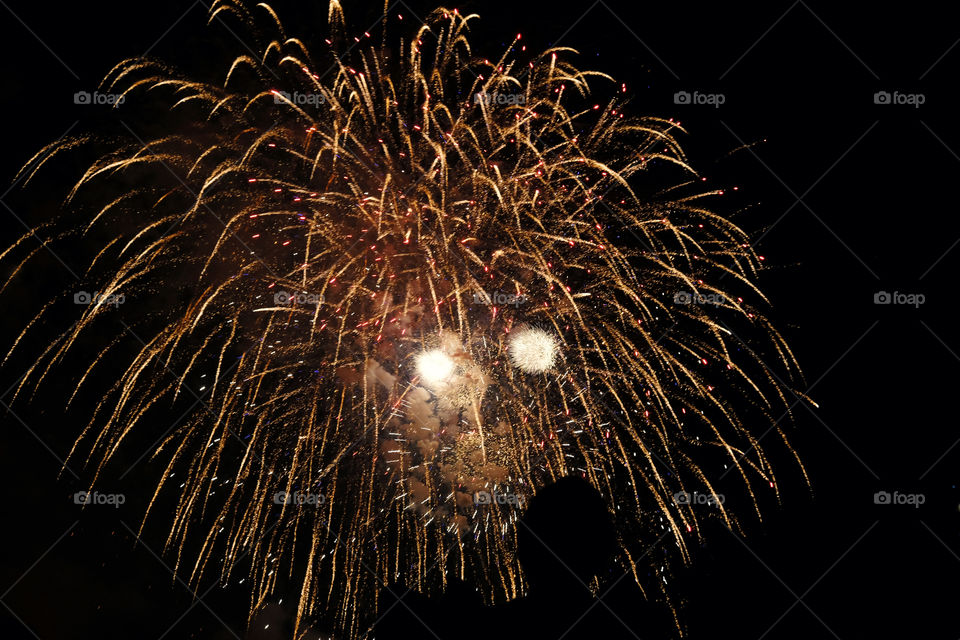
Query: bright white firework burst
(434, 367)
(532, 350)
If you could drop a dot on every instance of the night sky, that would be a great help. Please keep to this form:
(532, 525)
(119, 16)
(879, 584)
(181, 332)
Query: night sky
(849, 198)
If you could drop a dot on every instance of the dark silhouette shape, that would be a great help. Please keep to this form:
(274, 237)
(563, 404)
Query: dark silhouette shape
(565, 538)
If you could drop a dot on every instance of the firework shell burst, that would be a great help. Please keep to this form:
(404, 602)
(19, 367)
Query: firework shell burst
(419, 300)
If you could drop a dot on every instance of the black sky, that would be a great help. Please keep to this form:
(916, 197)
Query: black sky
(849, 197)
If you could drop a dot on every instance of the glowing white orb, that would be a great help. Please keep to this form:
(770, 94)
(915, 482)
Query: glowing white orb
(434, 366)
(532, 350)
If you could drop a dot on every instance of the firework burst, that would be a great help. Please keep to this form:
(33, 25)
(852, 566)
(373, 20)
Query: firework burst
(414, 279)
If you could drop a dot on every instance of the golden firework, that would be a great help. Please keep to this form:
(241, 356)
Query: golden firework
(420, 285)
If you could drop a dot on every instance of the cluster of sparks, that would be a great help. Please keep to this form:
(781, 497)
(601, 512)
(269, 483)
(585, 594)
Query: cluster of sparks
(334, 262)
